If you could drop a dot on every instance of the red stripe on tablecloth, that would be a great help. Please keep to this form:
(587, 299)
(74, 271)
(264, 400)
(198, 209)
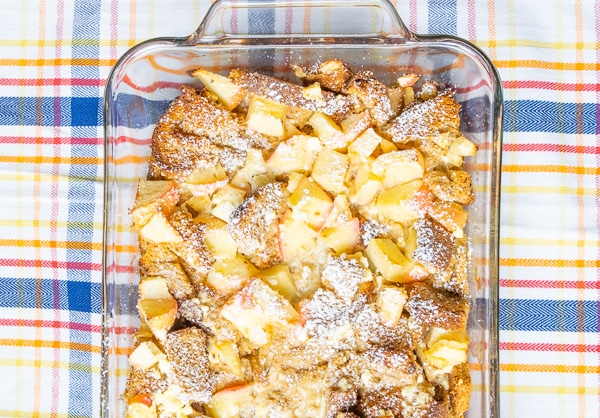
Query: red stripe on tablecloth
(557, 148)
(570, 348)
(550, 85)
(72, 265)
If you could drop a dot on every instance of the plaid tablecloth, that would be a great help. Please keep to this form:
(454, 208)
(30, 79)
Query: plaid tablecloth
(55, 56)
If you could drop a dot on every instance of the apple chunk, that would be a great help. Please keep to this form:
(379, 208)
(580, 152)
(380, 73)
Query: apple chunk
(391, 263)
(365, 144)
(266, 116)
(159, 314)
(329, 170)
(404, 202)
(296, 237)
(310, 203)
(159, 230)
(399, 167)
(153, 196)
(229, 94)
(257, 311)
(280, 278)
(228, 403)
(298, 153)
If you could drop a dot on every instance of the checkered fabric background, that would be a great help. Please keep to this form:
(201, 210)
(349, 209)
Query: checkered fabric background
(55, 56)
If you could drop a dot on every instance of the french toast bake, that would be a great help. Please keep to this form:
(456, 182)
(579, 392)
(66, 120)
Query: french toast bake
(302, 250)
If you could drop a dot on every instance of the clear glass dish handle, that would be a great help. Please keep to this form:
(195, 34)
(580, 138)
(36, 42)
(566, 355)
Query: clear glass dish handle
(300, 18)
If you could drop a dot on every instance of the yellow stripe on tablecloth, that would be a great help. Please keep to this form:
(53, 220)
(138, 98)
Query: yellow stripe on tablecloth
(547, 242)
(566, 190)
(50, 364)
(562, 169)
(549, 368)
(558, 390)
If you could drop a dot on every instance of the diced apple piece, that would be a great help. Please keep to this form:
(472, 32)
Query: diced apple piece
(139, 408)
(217, 237)
(207, 175)
(463, 147)
(342, 238)
(329, 132)
(200, 203)
(313, 92)
(445, 349)
(225, 200)
(354, 125)
(390, 301)
(159, 314)
(398, 167)
(294, 180)
(310, 203)
(254, 166)
(223, 354)
(391, 263)
(451, 215)
(298, 153)
(228, 403)
(387, 146)
(404, 202)
(257, 311)
(365, 144)
(366, 193)
(280, 279)
(296, 237)
(153, 287)
(153, 196)
(266, 116)
(159, 230)
(146, 355)
(229, 94)
(329, 170)
(408, 80)
(227, 276)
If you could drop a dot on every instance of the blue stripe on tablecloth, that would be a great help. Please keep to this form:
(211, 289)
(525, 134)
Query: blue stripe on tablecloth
(549, 315)
(86, 114)
(526, 115)
(439, 21)
(261, 21)
(72, 295)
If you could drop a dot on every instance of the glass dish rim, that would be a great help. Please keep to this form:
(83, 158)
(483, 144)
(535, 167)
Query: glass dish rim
(298, 40)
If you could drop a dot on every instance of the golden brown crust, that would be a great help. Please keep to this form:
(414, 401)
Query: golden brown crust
(143, 381)
(373, 94)
(254, 225)
(280, 91)
(186, 351)
(435, 245)
(426, 119)
(460, 389)
(456, 186)
(331, 74)
(429, 307)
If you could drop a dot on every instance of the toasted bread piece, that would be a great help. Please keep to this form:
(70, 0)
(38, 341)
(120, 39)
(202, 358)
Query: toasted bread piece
(456, 186)
(455, 279)
(460, 390)
(427, 119)
(435, 245)
(338, 107)
(254, 225)
(186, 351)
(331, 74)
(193, 252)
(429, 307)
(143, 381)
(373, 94)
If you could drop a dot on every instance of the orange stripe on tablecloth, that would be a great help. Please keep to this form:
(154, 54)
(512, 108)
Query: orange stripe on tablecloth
(52, 62)
(545, 262)
(38, 243)
(38, 159)
(565, 348)
(549, 368)
(63, 345)
(548, 65)
(563, 169)
(549, 85)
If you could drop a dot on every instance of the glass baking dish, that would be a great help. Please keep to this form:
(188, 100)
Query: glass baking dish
(269, 37)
